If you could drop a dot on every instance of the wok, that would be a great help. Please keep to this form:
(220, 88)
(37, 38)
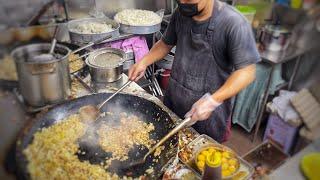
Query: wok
(146, 110)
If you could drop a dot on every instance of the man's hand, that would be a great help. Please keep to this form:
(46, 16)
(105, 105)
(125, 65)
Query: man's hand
(157, 52)
(203, 108)
(137, 71)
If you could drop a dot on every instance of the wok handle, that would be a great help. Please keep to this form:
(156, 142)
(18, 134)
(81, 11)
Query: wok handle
(91, 44)
(102, 39)
(84, 84)
(182, 125)
(80, 57)
(117, 92)
(82, 47)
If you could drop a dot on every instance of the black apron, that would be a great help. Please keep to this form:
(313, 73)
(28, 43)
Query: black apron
(195, 72)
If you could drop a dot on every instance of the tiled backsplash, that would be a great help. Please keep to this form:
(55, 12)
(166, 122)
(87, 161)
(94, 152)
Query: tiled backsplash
(19, 12)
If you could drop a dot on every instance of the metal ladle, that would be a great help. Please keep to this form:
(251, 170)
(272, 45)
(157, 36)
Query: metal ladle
(48, 56)
(54, 40)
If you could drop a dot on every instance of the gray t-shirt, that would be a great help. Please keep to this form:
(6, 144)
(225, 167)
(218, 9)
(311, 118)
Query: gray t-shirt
(233, 45)
(200, 27)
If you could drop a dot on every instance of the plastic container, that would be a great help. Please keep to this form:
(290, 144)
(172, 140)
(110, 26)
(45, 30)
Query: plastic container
(281, 132)
(212, 168)
(283, 2)
(248, 11)
(296, 4)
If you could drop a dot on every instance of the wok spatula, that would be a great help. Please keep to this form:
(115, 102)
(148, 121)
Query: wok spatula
(93, 112)
(182, 125)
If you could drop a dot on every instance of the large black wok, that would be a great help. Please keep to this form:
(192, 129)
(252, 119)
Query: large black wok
(146, 110)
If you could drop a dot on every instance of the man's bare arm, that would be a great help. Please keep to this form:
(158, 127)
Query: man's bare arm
(238, 80)
(157, 52)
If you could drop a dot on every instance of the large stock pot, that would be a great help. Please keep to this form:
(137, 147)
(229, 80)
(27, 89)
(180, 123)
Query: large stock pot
(45, 81)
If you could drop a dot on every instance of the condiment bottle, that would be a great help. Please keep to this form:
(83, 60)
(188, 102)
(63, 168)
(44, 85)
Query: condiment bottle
(212, 170)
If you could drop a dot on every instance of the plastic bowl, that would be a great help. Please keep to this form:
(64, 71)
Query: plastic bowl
(248, 11)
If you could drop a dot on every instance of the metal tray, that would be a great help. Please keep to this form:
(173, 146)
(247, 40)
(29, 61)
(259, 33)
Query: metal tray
(267, 156)
(140, 29)
(175, 167)
(82, 39)
(245, 170)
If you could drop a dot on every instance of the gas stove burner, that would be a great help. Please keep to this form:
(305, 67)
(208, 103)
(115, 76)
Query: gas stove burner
(95, 87)
(98, 87)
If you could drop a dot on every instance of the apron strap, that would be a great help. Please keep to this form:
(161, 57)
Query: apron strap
(217, 8)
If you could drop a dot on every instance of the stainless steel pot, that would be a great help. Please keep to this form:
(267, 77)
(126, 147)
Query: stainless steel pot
(274, 37)
(42, 82)
(106, 74)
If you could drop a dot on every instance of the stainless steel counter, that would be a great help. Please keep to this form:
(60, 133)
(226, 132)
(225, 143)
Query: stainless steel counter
(291, 169)
(278, 57)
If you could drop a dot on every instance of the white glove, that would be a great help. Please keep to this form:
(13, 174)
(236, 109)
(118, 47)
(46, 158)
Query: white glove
(203, 108)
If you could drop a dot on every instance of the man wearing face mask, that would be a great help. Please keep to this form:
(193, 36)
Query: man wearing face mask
(214, 60)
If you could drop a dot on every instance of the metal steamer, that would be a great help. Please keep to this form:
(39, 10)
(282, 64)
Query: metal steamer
(81, 38)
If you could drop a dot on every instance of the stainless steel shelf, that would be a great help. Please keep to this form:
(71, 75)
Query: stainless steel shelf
(122, 36)
(281, 56)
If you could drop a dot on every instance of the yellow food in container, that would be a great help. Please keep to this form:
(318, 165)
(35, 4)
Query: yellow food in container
(230, 164)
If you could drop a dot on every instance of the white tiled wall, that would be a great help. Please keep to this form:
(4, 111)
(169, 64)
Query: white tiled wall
(18, 12)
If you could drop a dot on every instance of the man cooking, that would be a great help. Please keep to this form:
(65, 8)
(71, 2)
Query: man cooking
(214, 60)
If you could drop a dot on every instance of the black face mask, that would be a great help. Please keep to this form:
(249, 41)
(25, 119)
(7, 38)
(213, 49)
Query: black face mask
(188, 10)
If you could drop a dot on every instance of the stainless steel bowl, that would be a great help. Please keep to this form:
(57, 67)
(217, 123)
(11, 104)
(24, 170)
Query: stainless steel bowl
(81, 39)
(106, 74)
